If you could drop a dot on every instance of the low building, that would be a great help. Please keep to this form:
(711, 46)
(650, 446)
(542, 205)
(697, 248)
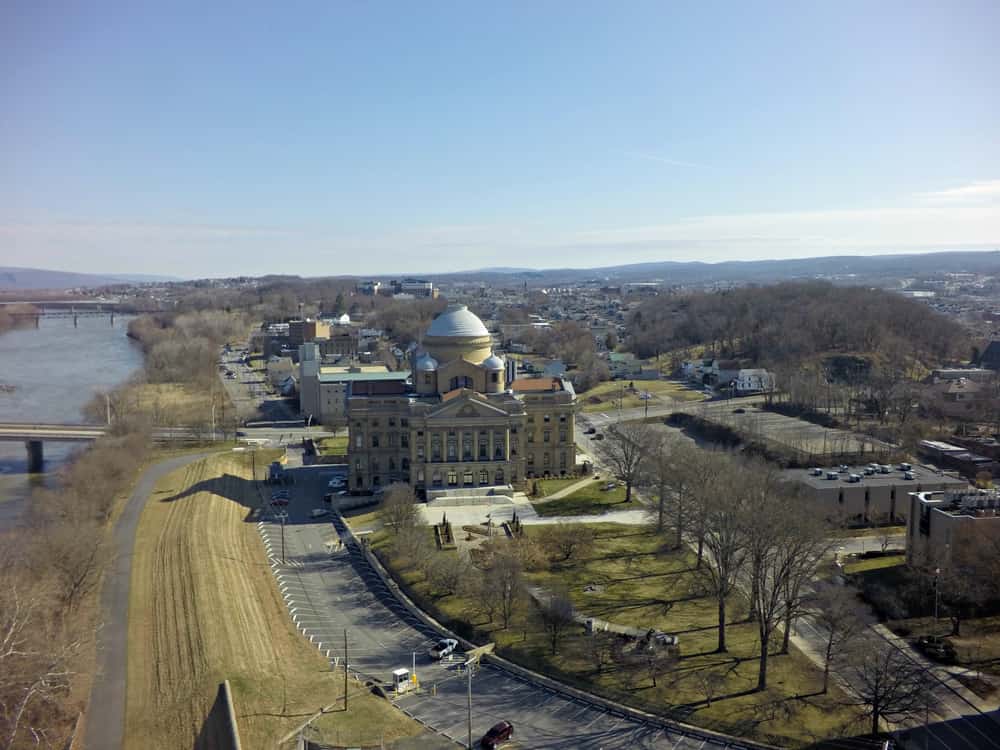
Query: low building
(958, 399)
(853, 497)
(953, 528)
(369, 288)
(750, 381)
(957, 458)
(414, 288)
(301, 331)
(324, 389)
(279, 368)
(341, 342)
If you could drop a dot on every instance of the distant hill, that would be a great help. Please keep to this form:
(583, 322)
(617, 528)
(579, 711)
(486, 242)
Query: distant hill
(862, 268)
(40, 278)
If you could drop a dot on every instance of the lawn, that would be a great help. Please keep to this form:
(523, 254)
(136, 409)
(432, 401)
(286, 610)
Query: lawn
(546, 487)
(606, 395)
(205, 607)
(332, 446)
(587, 501)
(633, 581)
(862, 565)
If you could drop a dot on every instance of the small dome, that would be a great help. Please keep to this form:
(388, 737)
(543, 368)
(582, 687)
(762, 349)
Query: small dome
(457, 321)
(344, 319)
(493, 362)
(426, 363)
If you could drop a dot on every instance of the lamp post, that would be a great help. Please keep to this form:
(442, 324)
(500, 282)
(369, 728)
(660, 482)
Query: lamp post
(281, 517)
(937, 573)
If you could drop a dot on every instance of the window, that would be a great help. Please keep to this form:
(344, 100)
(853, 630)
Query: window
(374, 423)
(452, 448)
(562, 460)
(420, 475)
(357, 465)
(404, 422)
(545, 458)
(547, 436)
(562, 436)
(359, 441)
(392, 421)
(467, 446)
(404, 440)
(562, 417)
(436, 478)
(496, 377)
(546, 418)
(376, 481)
(484, 447)
(498, 477)
(484, 477)
(374, 464)
(531, 459)
(531, 436)
(467, 477)
(452, 478)
(420, 453)
(392, 439)
(406, 464)
(427, 378)
(375, 440)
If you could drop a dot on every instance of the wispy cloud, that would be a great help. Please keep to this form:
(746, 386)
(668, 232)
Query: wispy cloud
(647, 156)
(981, 191)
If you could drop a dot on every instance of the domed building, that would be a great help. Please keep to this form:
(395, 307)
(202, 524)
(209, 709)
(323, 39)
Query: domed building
(464, 420)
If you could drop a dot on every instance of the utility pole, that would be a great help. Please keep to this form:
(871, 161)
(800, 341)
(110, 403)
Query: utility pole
(345, 669)
(282, 516)
(107, 407)
(468, 672)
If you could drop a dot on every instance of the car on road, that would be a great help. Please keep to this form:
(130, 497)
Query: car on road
(937, 648)
(443, 648)
(337, 483)
(739, 411)
(498, 734)
(590, 431)
(318, 512)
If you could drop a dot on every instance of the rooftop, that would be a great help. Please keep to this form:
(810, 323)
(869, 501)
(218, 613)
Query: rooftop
(896, 476)
(353, 377)
(968, 503)
(536, 385)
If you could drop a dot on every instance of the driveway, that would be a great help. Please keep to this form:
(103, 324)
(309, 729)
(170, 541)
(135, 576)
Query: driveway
(106, 711)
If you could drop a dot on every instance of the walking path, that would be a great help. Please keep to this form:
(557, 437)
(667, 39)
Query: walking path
(105, 718)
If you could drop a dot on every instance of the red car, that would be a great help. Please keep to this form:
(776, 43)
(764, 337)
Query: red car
(497, 735)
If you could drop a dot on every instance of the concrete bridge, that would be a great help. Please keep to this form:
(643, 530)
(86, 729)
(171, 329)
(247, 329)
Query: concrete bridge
(35, 435)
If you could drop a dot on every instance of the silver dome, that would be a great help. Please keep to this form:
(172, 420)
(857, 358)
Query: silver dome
(457, 321)
(426, 363)
(492, 362)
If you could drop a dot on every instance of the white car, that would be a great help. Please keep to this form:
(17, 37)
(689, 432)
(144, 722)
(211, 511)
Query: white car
(318, 512)
(443, 648)
(337, 483)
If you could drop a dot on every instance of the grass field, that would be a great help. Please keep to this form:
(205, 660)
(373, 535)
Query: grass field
(633, 581)
(588, 500)
(605, 395)
(874, 563)
(546, 487)
(204, 607)
(174, 403)
(332, 446)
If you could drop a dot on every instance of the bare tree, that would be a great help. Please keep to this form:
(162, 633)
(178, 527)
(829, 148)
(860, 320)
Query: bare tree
(399, 508)
(725, 538)
(659, 472)
(501, 585)
(834, 610)
(887, 684)
(556, 616)
(599, 649)
(445, 571)
(75, 554)
(624, 450)
(564, 541)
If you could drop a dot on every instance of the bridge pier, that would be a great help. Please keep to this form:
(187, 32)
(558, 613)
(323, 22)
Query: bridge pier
(36, 458)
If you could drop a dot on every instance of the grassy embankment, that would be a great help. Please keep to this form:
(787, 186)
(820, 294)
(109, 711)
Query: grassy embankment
(588, 500)
(205, 607)
(606, 395)
(634, 581)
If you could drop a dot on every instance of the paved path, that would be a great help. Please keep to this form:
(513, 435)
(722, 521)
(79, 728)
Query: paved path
(106, 711)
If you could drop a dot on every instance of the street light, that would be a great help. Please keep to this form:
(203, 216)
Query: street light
(282, 515)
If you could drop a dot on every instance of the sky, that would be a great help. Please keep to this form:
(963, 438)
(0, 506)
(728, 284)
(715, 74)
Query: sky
(325, 138)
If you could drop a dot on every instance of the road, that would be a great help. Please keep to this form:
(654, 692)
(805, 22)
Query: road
(106, 712)
(329, 590)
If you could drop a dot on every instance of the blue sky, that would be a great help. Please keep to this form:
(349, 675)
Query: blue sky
(349, 137)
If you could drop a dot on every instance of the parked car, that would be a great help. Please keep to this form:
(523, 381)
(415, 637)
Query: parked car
(590, 431)
(937, 648)
(318, 512)
(443, 648)
(739, 411)
(498, 734)
(337, 483)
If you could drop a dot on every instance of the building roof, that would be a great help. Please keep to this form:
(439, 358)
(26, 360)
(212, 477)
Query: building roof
(536, 385)
(493, 362)
(354, 377)
(921, 476)
(457, 321)
(426, 363)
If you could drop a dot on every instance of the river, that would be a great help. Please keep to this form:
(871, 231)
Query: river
(55, 370)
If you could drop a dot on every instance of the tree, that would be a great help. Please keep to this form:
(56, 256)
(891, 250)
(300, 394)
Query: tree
(659, 469)
(624, 449)
(501, 585)
(555, 612)
(887, 683)
(445, 572)
(834, 610)
(725, 539)
(399, 508)
(564, 541)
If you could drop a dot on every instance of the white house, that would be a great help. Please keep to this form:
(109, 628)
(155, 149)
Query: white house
(754, 381)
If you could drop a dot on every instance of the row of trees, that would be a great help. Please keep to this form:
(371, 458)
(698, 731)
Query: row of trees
(50, 569)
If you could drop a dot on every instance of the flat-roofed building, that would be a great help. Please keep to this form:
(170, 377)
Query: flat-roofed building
(953, 528)
(854, 497)
(324, 389)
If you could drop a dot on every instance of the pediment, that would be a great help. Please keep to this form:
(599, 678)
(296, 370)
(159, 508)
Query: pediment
(466, 407)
